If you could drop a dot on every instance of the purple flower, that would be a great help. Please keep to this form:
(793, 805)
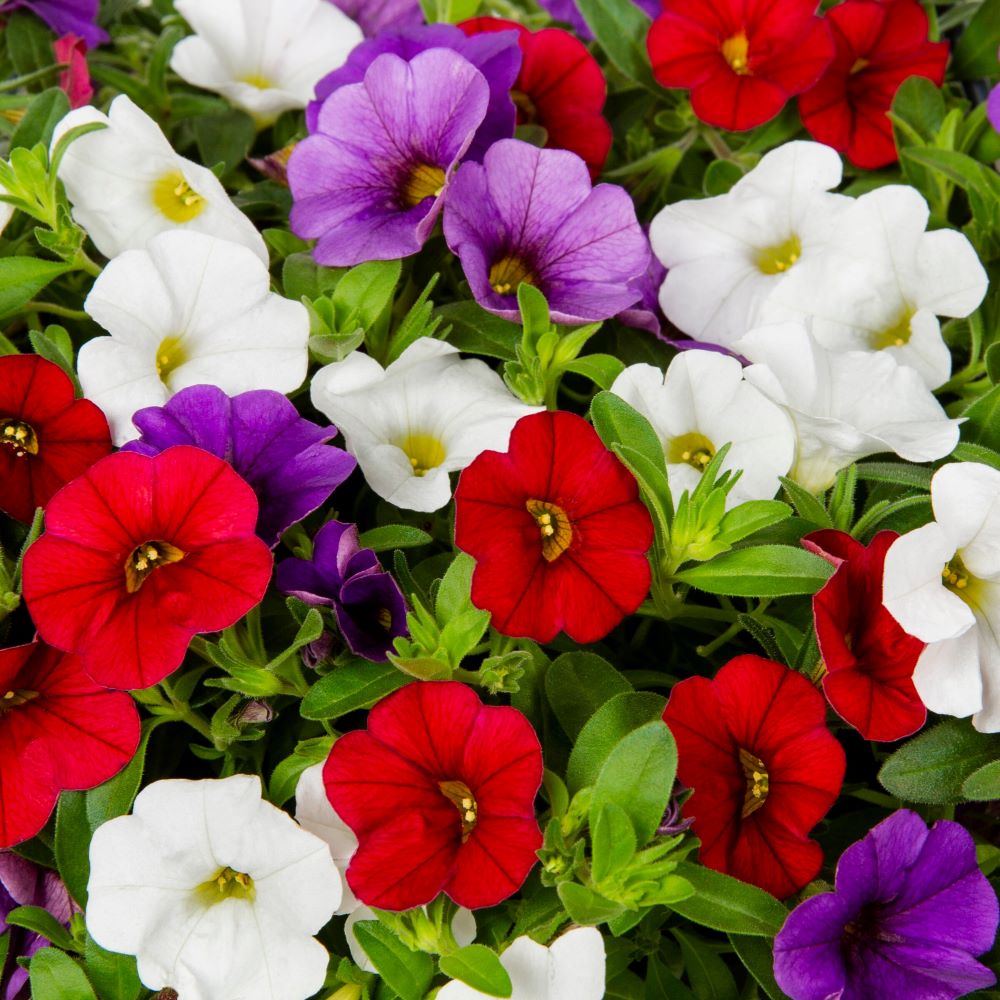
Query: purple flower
(374, 16)
(910, 912)
(369, 183)
(530, 215)
(646, 313)
(993, 107)
(367, 601)
(65, 17)
(260, 433)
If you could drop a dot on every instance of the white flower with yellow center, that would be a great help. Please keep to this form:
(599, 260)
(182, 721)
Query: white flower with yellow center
(217, 893)
(411, 424)
(126, 184)
(188, 310)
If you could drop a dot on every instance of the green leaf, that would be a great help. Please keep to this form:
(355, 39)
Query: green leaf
(760, 571)
(115, 796)
(617, 423)
(577, 684)
(709, 977)
(454, 593)
(224, 138)
(975, 53)
(285, 776)
(358, 684)
(720, 176)
(621, 30)
(585, 906)
(72, 844)
(55, 345)
(29, 43)
(758, 957)
(34, 918)
(302, 277)
(601, 369)
(407, 972)
(394, 536)
(749, 517)
(367, 289)
(476, 331)
(22, 278)
(727, 904)
(896, 473)
(807, 506)
(662, 984)
(478, 967)
(55, 976)
(982, 420)
(983, 785)
(40, 120)
(613, 842)
(114, 976)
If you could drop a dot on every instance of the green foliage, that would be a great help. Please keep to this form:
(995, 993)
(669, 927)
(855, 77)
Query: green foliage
(55, 976)
(479, 968)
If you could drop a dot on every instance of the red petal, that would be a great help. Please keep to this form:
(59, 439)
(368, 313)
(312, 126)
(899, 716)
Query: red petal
(502, 763)
(768, 855)
(494, 862)
(32, 389)
(736, 103)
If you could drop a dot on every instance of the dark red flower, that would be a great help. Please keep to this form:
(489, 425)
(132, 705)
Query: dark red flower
(754, 746)
(58, 730)
(742, 59)
(869, 658)
(139, 554)
(560, 88)
(879, 43)
(47, 437)
(557, 530)
(440, 792)
(75, 79)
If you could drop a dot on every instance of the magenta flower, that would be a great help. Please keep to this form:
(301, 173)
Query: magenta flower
(65, 17)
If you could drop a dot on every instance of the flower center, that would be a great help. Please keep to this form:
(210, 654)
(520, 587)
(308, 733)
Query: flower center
(147, 557)
(526, 110)
(13, 699)
(20, 436)
(734, 51)
(859, 65)
(509, 272)
(757, 782)
(170, 355)
(257, 80)
(778, 259)
(176, 199)
(424, 181)
(227, 883)
(895, 335)
(424, 451)
(692, 449)
(554, 527)
(958, 579)
(384, 618)
(460, 796)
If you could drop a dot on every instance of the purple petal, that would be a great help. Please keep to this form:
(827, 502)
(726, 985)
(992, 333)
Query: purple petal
(993, 107)
(372, 613)
(65, 17)
(917, 973)
(807, 953)
(375, 15)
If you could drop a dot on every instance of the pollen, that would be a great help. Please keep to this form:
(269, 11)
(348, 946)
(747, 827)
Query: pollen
(18, 436)
(227, 883)
(508, 273)
(780, 258)
(460, 796)
(424, 181)
(896, 334)
(554, 527)
(257, 80)
(170, 355)
(735, 51)
(147, 557)
(14, 699)
(758, 782)
(176, 199)
(692, 449)
(957, 578)
(384, 619)
(424, 451)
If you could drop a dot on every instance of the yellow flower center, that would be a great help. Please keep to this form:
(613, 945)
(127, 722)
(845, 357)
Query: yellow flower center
(757, 782)
(554, 527)
(859, 65)
(257, 80)
(959, 580)
(227, 883)
(692, 449)
(176, 199)
(895, 335)
(384, 618)
(778, 259)
(170, 355)
(424, 181)
(12, 699)
(735, 51)
(509, 272)
(147, 557)
(424, 451)
(19, 436)
(460, 796)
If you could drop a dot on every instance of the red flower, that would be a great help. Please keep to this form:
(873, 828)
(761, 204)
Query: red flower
(869, 658)
(47, 437)
(742, 59)
(754, 746)
(58, 730)
(75, 79)
(879, 43)
(440, 793)
(557, 529)
(560, 88)
(138, 555)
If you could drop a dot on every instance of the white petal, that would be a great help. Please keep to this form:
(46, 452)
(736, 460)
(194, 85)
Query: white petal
(966, 500)
(947, 676)
(948, 278)
(529, 965)
(577, 971)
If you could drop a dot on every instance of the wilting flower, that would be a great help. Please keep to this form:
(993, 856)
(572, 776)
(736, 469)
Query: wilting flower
(910, 912)
(139, 554)
(376, 16)
(440, 792)
(530, 215)
(216, 892)
(75, 79)
(64, 17)
(558, 532)
(754, 746)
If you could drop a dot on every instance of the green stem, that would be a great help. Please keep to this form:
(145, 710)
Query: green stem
(83, 262)
(710, 647)
(56, 310)
(468, 676)
(184, 712)
(38, 74)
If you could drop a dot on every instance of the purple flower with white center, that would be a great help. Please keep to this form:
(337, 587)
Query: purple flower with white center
(367, 601)
(531, 215)
(373, 16)
(369, 183)
(65, 17)
(910, 912)
(283, 456)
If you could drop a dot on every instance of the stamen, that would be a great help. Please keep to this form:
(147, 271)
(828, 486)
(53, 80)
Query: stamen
(384, 618)
(758, 782)
(170, 355)
(957, 578)
(508, 273)
(778, 259)
(553, 525)
(425, 181)
(227, 883)
(176, 199)
(147, 557)
(14, 699)
(895, 335)
(460, 796)
(425, 452)
(735, 51)
(19, 436)
(692, 449)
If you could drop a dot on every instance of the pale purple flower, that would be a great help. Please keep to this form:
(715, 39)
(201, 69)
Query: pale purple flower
(374, 16)
(65, 17)
(993, 107)
(646, 313)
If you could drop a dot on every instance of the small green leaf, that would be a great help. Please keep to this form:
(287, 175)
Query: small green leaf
(478, 332)
(807, 506)
(285, 777)
(358, 684)
(748, 518)
(22, 278)
(757, 955)
(585, 906)
(223, 138)
(577, 684)
(613, 843)
(621, 30)
(709, 976)
(366, 290)
(407, 972)
(394, 536)
(760, 571)
(975, 53)
(983, 785)
(114, 976)
(55, 976)
(72, 844)
(720, 176)
(479, 967)
(40, 120)
(617, 423)
(601, 369)
(34, 918)
(727, 904)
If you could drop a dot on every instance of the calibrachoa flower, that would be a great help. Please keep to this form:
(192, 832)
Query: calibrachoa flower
(440, 792)
(369, 183)
(58, 730)
(367, 601)
(558, 532)
(530, 215)
(139, 554)
(216, 892)
(75, 79)
(910, 912)
(646, 313)
(65, 16)
(375, 16)
(754, 746)
(47, 436)
(281, 455)
(742, 59)
(869, 659)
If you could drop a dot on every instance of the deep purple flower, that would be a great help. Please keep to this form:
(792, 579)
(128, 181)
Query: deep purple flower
(370, 182)
(367, 601)
(260, 433)
(910, 912)
(530, 215)
(65, 17)
(374, 16)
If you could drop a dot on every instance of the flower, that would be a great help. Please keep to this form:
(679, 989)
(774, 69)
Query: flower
(869, 659)
(263, 58)
(342, 575)
(426, 414)
(754, 746)
(126, 184)
(187, 310)
(58, 730)
(646, 313)
(742, 59)
(440, 792)
(65, 17)
(993, 108)
(216, 892)
(369, 183)
(47, 436)
(558, 532)
(910, 912)
(281, 455)
(376, 16)
(139, 554)
(701, 404)
(530, 215)
(879, 44)
(75, 79)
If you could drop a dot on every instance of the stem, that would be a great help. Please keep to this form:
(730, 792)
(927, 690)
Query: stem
(56, 310)
(38, 74)
(184, 712)
(83, 262)
(467, 676)
(710, 647)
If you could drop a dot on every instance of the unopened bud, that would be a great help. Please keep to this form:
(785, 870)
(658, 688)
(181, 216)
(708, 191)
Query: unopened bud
(314, 653)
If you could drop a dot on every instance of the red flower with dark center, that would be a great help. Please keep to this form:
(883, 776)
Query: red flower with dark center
(557, 529)
(879, 44)
(742, 59)
(58, 730)
(440, 792)
(47, 436)
(754, 746)
(139, 554)
(560, 88)
(869, 658)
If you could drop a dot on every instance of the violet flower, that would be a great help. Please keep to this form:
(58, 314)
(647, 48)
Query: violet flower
(646, 314)
(65, 17)
(910, 912)
(373, 16)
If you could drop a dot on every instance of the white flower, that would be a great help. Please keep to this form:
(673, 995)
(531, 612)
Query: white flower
(942, 584)
(126, 184)
(217, 893)
(429, 413)
(264, 56)
(187, 310)
(6, 210)
(703, 403)
(572, 968)
(845, 405)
